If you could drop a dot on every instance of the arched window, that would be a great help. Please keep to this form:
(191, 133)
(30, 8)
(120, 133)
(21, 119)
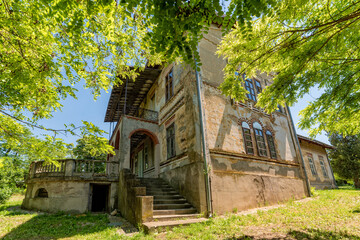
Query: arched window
(247, 138)
(260, 140)
(271, 144)
(41, 193)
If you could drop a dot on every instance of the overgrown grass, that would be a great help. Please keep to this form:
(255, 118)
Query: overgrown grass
(332, 214)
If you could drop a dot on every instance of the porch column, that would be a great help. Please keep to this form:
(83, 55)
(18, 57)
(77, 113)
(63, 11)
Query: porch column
(124, 153)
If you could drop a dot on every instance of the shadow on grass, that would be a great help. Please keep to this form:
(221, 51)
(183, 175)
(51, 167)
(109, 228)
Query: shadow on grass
(309, 234)
(60, 225)
(356, 210)
(54, 226)
(13, 210)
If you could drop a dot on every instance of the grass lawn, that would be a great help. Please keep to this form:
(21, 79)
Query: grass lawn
(332, 214)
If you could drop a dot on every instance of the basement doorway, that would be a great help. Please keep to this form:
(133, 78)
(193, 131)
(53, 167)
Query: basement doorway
(99, 197)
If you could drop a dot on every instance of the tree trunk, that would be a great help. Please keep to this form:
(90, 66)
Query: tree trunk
(357, 182)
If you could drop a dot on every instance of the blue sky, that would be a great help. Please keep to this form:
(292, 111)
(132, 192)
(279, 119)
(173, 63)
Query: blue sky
(85, 108)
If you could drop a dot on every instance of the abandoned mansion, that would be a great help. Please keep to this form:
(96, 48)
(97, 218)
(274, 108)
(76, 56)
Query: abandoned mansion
(172, 162)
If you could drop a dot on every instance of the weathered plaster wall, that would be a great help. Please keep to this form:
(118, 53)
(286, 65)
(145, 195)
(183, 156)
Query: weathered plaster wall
(238, 191)
(319, 181)
(239, 180)
(224, 129)
(184, 171)
(187, 177)
(67, 196)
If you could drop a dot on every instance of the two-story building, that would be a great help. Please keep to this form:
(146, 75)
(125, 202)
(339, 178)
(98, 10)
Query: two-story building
(254, 158)
(158, 171)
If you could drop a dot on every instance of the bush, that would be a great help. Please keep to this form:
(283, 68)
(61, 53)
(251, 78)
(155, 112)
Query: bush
(11, 177)
(5, 194)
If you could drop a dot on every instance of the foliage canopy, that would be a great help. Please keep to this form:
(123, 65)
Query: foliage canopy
(48, 46)
(304, 44)
(345, 158)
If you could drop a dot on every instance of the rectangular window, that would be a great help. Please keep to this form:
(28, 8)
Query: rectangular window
(250, 87)
(258, 87)
(312, 165)
(248, 141)
(146, 158)
(169, 85)
(322, 165)
(260, 140)
(170, 141)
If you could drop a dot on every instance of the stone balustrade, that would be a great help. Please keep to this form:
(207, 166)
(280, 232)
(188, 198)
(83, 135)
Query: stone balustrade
(74, 168)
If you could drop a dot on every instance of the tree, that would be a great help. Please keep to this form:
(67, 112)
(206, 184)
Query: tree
(17, 152)
(48, 46)
(302, 44)
(345, 158)
(89, 147)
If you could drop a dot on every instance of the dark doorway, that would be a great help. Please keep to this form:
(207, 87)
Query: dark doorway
(100, 196)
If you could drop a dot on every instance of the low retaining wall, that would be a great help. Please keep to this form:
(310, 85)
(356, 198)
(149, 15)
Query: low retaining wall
(71, 196)
(133, 203)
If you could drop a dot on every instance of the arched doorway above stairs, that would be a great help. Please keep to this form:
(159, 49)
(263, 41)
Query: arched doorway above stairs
(143, 151)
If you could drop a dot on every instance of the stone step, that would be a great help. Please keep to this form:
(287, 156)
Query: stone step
(165, 225)
(160, 188)
(176, 217)
(152, 180)
(172, 206)
(170, 201)
(161, 193)
(167, 197)
(175, 211)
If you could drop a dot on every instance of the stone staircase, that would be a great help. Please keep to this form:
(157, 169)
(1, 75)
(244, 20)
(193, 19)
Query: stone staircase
(170, 208)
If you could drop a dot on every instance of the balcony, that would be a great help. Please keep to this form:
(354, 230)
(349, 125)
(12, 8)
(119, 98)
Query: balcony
(126, 98)
(143, 113)
(75, 169)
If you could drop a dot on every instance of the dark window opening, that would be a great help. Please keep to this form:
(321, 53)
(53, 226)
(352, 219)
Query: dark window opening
(169, 86)
(247, 138)
(250, 88)
(42, 193)
(170, 141)
(100, 196)
(260, 140)
(271, 144)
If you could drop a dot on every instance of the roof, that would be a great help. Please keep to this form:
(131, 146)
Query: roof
(135, 94)
(300, 137)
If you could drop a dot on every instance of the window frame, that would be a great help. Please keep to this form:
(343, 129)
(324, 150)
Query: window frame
(247, 140)
(170, 141)
(322, 166)
(312, 164)
(169, 85)
(271, 144)
(257, 85)
(249, 86)
(260, 140)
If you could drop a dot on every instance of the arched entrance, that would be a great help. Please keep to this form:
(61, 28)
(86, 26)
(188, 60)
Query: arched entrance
(143, 146)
